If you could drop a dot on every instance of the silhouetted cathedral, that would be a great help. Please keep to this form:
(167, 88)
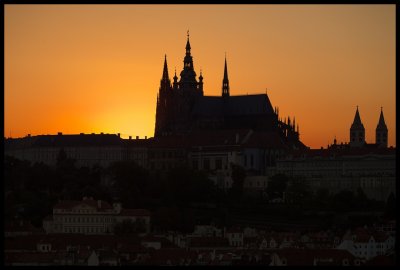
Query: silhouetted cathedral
(182, 107)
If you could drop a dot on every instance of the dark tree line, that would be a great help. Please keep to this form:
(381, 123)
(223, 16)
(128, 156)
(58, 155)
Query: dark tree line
(32, 189)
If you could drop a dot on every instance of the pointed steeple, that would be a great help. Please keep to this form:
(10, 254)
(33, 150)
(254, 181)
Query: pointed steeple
(381, 132)
(165, 81)
(175, 84)
(165, 76)
(188, 44)
(357, 131)
(225, 81)
(357, 119)
(188, 80)
(175, 77)
(381, 123)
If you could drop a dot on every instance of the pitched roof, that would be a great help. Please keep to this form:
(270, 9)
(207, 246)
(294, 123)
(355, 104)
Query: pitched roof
(265, 139)
(233, 105)
(69, 204)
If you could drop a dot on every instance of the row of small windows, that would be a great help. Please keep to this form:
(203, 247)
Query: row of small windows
(84, 230)
(53, 155)
(165, 154)
(88, 219)
(218, 165)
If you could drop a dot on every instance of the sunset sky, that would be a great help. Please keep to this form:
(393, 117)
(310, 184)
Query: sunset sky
(97, 68)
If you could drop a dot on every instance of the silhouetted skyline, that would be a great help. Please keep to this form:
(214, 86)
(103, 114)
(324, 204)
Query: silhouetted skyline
(96, 69)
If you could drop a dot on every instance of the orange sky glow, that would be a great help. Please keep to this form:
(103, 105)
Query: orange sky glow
(97, 68)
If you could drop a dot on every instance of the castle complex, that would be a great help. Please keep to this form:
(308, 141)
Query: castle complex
(183, 108)
(211, 133)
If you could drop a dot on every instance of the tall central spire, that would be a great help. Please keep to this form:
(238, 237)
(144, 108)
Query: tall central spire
(188, 44)
(225, 81)
(188, 75)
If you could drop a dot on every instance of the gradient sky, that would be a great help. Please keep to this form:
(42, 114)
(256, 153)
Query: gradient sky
(97, 68)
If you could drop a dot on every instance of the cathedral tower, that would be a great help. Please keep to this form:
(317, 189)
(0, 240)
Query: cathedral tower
(357, 131)
(381, 132)
(188, 83)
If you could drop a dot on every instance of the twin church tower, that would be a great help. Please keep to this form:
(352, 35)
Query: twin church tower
(357, 132)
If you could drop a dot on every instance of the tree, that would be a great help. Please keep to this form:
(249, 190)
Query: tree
(322, 198)
(390, 208)
(298, 191)
(127, 226)
(238, 176)
(131, 181)
(64, 163)
(277, 184)
(362, 201)
(343, 201)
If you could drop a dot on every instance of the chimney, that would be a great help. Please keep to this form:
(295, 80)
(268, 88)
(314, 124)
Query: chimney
(59, 133)
(145, 137)
(137, 137)
(237, 138)
(130, 137)
(119, 135)
(29, 135)
(98, 203)
(102, 133)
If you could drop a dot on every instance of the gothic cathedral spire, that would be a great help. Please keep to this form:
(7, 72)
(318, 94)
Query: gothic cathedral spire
(225, 82)
(165, 81)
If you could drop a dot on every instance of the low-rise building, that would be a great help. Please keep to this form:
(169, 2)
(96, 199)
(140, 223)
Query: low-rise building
(367, 244)
(91, 217)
